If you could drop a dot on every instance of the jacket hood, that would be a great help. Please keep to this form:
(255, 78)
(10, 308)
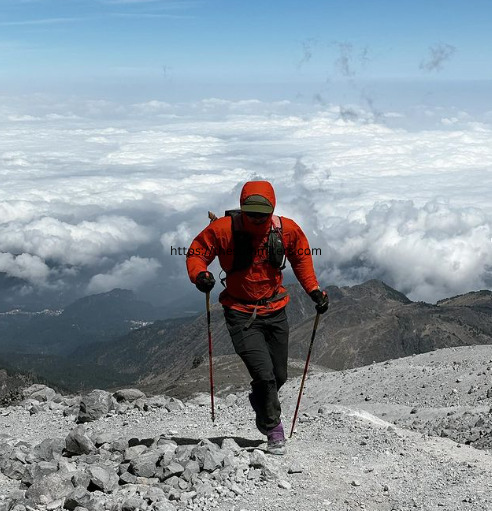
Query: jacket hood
(262, 188)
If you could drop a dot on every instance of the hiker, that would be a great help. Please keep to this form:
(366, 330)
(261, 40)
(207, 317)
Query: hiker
(252, 245)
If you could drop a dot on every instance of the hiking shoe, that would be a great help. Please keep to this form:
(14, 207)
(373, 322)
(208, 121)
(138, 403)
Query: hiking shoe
(252, 401)
(276, 440)
(277, 448)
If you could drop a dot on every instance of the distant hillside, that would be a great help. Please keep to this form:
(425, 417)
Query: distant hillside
(96, 318)
(373, 322)
(365, 323)
(477, 299)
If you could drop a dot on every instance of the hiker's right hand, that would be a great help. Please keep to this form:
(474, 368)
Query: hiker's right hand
(320, 298)
(205, 281)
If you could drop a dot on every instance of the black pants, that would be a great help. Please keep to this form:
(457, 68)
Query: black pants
(263, 347)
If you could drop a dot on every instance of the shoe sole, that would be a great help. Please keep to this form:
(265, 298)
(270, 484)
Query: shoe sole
(277, 452)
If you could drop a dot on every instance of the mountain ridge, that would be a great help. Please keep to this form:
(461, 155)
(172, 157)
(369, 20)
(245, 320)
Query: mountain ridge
(365, 323)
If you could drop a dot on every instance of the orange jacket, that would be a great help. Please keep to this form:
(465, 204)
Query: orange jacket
(260, 280)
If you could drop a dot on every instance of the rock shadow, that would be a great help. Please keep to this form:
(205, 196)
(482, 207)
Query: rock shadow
(244, 443)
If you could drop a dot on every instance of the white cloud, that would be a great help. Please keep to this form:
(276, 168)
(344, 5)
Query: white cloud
(130, 274)
(92, 183)
(26, 267)
(85, 243)
(428, 251)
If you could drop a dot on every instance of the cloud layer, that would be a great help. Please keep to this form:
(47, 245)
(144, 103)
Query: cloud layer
(94, 194)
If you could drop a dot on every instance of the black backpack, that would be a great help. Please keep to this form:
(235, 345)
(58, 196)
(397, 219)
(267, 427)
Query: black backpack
(243, 246)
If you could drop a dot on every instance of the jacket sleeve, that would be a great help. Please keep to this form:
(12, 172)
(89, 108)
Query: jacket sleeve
(201, 253)
(299, 255)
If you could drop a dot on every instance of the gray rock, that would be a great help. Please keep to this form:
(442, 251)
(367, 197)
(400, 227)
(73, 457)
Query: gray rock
(257, 459)
(127, 478)
(134, 452)
(173, 469)
(155, 494)
(119, 445)
(158, 401)
(174, 494)
(173, 481)
(181, 453)
(269, 474)
(81, 479)
(174, 405)
(35, 409)
(50, 487)
(202, 451)
(228, 444)
(49, 449)
(78, 442)
(191, 467)
(39, 393)
(133, 504)
(204, 489)
(78, 498)
(36, 470)
(145, 464)
(141, 404)
(95, 405)
(20, 452)
(14, 469)
(163, 506)
(213, 460)
(103, 478)
(104, 438)
(187, 496)
(128, 395)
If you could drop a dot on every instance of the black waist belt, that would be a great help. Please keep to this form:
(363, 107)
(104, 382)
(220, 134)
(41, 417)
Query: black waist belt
(258, 303)
(263, 301)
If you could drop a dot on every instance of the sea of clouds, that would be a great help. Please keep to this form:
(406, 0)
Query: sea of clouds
(94, 194)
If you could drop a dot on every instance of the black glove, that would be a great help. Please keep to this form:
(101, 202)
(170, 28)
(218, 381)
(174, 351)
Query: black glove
(320, 298)
(205, 281)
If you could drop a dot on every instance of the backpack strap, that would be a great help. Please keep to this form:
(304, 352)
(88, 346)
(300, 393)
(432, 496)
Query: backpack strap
(276, 243)
(277, 223)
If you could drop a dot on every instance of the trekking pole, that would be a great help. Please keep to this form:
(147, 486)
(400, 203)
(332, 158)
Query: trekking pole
(305, 372)
(210, 356)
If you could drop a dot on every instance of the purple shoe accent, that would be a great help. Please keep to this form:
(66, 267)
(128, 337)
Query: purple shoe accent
(276, 434)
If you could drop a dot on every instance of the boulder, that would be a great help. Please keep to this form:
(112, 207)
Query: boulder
(39, 392)
(78, 442)
(49, 449)
(95, 405)
(128, 395)
(50, 487)
(144, 465)
(103, 478)
(79, 498)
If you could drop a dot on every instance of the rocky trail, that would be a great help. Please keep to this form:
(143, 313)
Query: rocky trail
(408, 434)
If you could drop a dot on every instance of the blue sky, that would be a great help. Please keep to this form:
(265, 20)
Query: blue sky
(156, 45)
